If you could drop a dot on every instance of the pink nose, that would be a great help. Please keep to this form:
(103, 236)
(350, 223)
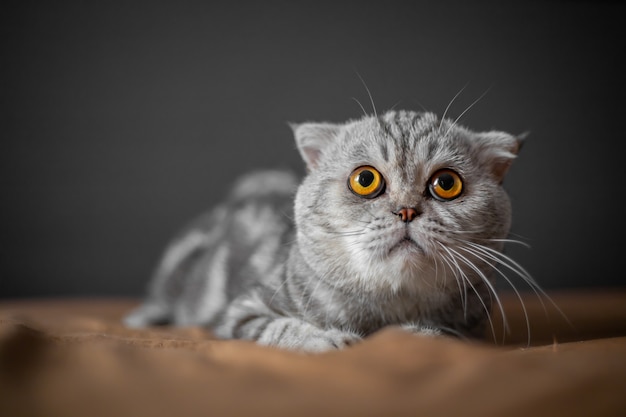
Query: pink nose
(407, 214)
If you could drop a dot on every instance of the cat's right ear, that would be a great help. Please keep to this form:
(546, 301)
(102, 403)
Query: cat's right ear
(312, 139)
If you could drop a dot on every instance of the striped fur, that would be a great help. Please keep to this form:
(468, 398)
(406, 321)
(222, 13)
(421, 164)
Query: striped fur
(311, 266)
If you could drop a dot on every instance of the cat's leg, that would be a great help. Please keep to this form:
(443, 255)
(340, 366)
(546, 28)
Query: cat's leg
(422, 329)
(467, 319)
(250, 319)
(168, 281)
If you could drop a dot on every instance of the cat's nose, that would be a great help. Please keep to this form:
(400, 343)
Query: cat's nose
(406, 214)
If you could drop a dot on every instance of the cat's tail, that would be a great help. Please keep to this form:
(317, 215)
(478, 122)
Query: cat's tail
(169, 281)
(149, 314)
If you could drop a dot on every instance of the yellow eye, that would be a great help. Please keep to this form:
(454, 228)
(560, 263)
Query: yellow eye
(446, 185)
(366, 182)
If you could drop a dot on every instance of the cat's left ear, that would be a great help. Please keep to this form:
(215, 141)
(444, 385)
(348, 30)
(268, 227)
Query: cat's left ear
(500, 149)
(312, 139)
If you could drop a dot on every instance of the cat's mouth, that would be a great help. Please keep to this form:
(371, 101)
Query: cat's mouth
(406, 243)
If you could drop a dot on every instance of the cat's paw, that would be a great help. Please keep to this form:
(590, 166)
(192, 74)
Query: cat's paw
(331, 339)
(148, 314)
(421, 329)
(294, 334)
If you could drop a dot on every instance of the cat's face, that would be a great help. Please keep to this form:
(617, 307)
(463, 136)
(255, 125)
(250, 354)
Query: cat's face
(390, 203)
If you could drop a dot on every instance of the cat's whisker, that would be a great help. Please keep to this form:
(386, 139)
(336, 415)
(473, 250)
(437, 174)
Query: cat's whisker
(465, 111)
(492, 289)
(340, 233)
(515, 241)
(369, 94)
(453, 332)
(373, 216)
(517, 293)
(282, 284)
(311, 296)
(360, 105)
(332, 297)
(290, 242)
(519, 236)
(436, 269)
(508, 262)
(396, 103)
(287, 215)
(419, 104)
(366, 224)
(445, 112)
(464, 279)
(462, 293)
(512, 265)
(462, 232)
(454, 254)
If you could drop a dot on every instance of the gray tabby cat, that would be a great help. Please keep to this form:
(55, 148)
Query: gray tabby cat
(400, 221)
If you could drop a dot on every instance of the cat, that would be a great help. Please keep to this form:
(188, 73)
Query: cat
(400, 220)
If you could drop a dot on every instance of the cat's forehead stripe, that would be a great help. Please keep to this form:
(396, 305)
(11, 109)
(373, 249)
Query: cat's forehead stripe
(384, 151)
(410, 133)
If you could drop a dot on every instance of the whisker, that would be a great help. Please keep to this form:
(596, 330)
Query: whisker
(466, 110)
(332, 297)
(519, 236)
(360, 105)
(514, 266)
(508, 262)
(436, 269)
(419, 104)
(394, 106)
(341, 234)
(515, 241)
(282, 284)
(463, 294)
(519, 296)
(311, 296)
(369, 94)
(287, 215)
(491, 288)
(452, 332)
(462, 278)
(445, 112)
(465, 232)
(487, 312)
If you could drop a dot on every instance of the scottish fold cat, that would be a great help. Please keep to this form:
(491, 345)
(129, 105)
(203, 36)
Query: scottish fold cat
(399, 221)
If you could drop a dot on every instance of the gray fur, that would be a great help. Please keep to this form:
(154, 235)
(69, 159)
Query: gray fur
(328, 270)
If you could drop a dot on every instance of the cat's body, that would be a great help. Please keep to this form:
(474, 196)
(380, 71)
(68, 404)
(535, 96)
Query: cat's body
(398, 222)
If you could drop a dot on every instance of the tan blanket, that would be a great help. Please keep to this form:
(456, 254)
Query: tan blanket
(74, 358)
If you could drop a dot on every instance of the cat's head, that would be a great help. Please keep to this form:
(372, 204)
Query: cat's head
(390, 202)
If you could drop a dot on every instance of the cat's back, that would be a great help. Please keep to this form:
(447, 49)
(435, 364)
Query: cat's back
(257, 220)
(240, 242)
(259, 209)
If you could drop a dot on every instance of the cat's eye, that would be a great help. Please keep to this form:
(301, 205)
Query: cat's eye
(366, 182)
(445, 185)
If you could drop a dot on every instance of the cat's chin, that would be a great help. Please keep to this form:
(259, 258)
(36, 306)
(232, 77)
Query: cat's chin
(407, 247)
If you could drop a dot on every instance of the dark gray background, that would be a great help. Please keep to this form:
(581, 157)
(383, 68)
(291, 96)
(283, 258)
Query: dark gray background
(121, 121)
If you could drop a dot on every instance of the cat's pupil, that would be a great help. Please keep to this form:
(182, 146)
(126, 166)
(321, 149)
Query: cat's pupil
(366, 178)
(446, 181)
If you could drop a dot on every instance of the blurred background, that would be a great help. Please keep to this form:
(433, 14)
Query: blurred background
(121, 121)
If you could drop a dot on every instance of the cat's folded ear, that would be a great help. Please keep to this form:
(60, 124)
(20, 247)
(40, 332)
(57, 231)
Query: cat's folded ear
(500, 149)
(312, 139)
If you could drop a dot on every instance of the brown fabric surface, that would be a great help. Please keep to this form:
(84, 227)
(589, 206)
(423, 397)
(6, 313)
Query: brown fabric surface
(74, 358)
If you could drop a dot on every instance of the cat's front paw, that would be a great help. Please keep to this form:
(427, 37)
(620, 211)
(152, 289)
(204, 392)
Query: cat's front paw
(332, 339)
(294, 334)
(421, 329)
